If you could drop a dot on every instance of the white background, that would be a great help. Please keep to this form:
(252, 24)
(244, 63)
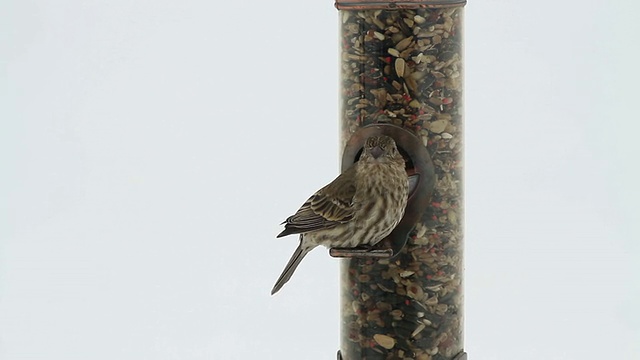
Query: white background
(149, 150)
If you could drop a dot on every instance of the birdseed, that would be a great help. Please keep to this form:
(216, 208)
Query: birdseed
(404, 67)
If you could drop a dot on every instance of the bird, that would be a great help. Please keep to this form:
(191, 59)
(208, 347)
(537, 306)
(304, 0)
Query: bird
(358, 208)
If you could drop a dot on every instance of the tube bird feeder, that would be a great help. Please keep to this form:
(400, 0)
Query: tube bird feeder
(401, 75)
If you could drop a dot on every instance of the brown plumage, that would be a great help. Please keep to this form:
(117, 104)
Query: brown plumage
(360, 207)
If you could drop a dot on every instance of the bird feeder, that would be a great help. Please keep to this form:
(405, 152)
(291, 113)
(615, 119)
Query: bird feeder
(401, 76)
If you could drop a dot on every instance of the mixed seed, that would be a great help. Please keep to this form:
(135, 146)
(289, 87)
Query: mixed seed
(404, 67)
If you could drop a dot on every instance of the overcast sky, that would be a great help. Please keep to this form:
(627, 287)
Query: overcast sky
(149, 150)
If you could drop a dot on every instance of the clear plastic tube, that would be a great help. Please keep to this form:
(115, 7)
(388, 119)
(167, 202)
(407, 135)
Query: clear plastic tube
(404, 66)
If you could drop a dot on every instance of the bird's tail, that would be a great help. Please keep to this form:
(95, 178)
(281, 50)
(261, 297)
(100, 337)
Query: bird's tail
(296, 258)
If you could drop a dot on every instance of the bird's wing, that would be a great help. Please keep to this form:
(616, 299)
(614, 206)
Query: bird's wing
(328, 207)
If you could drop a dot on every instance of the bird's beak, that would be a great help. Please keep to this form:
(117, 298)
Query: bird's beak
(376, 152)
